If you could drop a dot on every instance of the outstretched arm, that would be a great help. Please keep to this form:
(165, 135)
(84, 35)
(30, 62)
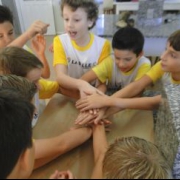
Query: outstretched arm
(38, 27)
(98, 101)
(100, 146)
(47, 150)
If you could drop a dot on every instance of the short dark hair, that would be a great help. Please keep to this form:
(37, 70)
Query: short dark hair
(15, 129)
(26, 88)
(17, 61)
(128, 38)
(174, 40)
(89, 5)
(5, 15)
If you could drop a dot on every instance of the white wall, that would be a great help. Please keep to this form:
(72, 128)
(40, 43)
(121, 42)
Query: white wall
(57, 17)
(0, 2)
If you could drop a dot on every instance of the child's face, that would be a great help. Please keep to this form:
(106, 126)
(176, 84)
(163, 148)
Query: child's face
(170, 60)
(34, 76)
(6, 34)
(125, 60)
(76, 22)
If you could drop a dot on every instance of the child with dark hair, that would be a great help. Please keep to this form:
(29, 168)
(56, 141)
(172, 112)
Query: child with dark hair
(126, 65)
(46, 149)
(36, 30)
(16, 145)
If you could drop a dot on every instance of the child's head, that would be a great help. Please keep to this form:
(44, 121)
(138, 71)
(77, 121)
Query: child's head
(171, 56)
(6, 27)
(134, 158)
(20, 62)
(16, 146)
(79, 16)
(128, 46)
(26, 88)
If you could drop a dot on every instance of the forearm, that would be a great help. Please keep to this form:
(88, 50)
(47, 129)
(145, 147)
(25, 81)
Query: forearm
(90, 76)
(102, 88)
(46, 69)
(20, 41)
(61, 144)
(69, 93)
(68, 82)
(134, 89)
(99, 141)
(100, 146)
(144, 103)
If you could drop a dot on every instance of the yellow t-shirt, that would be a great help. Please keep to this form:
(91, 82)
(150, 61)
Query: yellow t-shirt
(47, 88)
(156, 72)
(80, 59)
(107, 70)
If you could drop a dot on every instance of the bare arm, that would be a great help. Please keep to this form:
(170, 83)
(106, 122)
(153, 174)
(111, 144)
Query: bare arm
(67, 82)
(38, 44)
(134, 89)
(97, 101)
(38, 27)
(48, 149)
(100, 146)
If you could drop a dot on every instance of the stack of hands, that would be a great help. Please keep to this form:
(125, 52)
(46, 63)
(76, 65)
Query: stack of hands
(92, 109)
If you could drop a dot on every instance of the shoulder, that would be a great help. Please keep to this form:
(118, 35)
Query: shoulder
(145, 60)
(100, 39)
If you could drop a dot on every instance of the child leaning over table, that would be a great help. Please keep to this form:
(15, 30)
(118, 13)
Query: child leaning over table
(46, 149)
(126, 65)
(16, 134)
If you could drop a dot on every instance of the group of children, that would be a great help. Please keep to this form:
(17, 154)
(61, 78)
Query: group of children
(88, 69)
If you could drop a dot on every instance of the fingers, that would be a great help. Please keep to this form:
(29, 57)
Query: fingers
(85, 119)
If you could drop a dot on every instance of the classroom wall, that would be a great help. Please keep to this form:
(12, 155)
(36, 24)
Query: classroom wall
(57, 17)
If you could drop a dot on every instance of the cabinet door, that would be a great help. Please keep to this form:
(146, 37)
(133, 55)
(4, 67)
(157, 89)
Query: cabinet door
(32, 10)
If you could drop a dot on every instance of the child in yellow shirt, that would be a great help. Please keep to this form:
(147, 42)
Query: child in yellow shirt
(126, 65)
(78, 50)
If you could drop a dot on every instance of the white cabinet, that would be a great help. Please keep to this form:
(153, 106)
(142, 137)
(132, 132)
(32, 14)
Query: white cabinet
(32, 10)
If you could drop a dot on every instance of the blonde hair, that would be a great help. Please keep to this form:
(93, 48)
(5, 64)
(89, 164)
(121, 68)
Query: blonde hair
(14, 60)
(25, 88)
(134, 158)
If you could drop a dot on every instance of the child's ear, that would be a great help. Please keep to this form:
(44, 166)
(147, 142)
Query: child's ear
(141, 54)
(90, 24)
(26, 163)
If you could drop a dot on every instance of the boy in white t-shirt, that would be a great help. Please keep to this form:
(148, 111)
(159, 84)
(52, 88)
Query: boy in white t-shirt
(78, 50)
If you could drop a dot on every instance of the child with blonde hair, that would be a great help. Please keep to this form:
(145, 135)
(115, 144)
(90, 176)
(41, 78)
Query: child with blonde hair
(127, 158)
(78, 50)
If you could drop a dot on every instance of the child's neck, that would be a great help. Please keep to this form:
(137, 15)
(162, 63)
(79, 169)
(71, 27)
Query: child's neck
(176, 76)
(84, 41)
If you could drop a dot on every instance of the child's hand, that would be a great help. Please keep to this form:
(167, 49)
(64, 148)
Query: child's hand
(51, 48)
(85, 118)
(38, 44)
(88, 118)
(38, 27)
(86, 89)
(91, 102)
(62, 175)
